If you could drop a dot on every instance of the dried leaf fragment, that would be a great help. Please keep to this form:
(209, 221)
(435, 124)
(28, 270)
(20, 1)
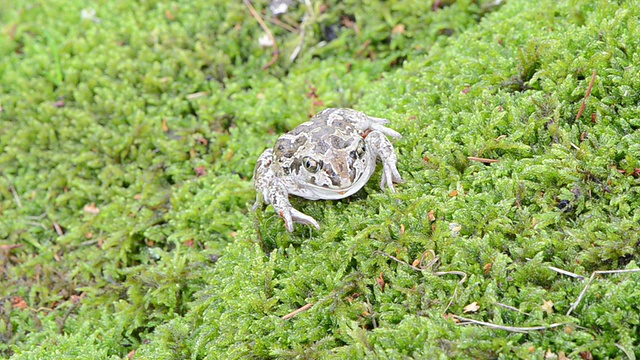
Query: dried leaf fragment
(196, 95)
(586, 355)
(473, 307)
(398, 29)
(455, 228)
(200, 170)
(202, 141)
(547, 306)
(583, 136)
(19, 303)
(7, 248)
(450, 316)
(91, 209)
(487, 268)
(549, 355)
(59, 230)
(381, 282)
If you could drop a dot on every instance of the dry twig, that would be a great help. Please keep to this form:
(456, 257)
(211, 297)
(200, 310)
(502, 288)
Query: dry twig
(264, 26)
(586, 96)
(593, 275)
(60, 321)
(565, 272)
(482, 160)
(282, 24)
(364, 47)
(297, 311)
(397, 260)
(467, 321)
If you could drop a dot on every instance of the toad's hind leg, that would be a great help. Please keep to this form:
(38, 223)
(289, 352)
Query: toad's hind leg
(382, 147)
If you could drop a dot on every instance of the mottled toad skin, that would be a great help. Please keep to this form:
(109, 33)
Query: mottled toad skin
(331, 156)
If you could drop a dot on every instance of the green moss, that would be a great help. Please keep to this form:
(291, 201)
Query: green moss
(128, 144)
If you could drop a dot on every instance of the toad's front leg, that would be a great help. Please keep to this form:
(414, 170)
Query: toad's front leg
(273, 191)
(382, 147)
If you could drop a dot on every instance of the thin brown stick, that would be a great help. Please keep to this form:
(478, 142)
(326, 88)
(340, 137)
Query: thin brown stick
(61, 321)
(437, 273)
(430, 264)
(593, 275)
(282, 24)
(594, 178)
(264, 26)
(6, 249)
(467, 321)
(364, 47)
(297, 311)
(482, 160)
(586, 96)
(397, 260)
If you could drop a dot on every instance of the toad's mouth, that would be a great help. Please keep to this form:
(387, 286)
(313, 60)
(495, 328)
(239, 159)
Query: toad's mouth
(314, 192)
(344, 186)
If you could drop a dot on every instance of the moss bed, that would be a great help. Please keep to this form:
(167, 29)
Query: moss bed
(129, 131)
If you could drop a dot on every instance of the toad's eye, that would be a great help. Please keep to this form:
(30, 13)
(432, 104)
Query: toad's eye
(311, 165)
(358, 153)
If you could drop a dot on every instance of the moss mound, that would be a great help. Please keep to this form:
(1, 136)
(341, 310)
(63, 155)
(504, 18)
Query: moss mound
(129, 132)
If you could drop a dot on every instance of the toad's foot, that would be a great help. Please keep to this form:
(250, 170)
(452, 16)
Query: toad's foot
(279, 198)
(294, 216)
(384, 151)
